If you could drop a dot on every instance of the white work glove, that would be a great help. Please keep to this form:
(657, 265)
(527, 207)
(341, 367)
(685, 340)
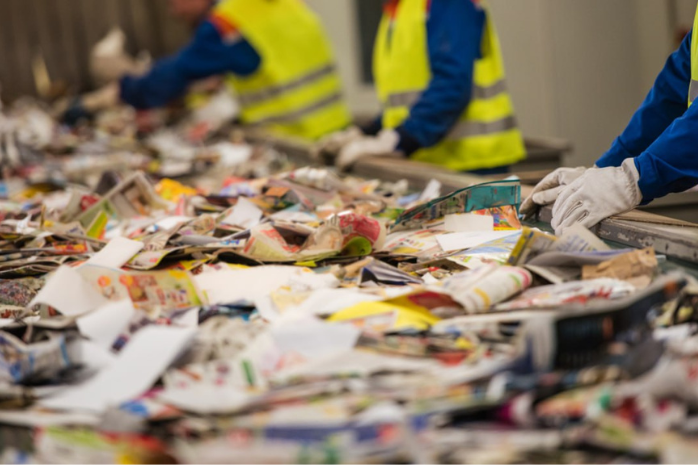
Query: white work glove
(384, 144)
(596, 195)
(336, 141)
(109, 60)
(547, 191)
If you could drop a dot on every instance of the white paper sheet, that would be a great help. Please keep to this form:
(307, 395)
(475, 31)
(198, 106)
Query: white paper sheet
(69, 293)
(206, 399)
(311, 337)
(172, 145)
(468, 222)
(117, 253)
(355, 362)
(468, 240)
(134, 371)
(232, 154)
(245, 214)
(431, 191)
(43, 419)
(189, 319)
(229, 286)
(325, 302)
(287, 345)
(106, 323)
(267, 308)
(172, 221)
(94, 356)
(294, 216)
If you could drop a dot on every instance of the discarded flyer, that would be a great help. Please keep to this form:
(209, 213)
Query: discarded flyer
(495, 194)
(557, 295)
(45, 357)
(171, 289)
(480, 289)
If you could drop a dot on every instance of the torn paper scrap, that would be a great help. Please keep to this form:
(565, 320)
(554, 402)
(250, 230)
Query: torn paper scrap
(244, 214)
(139, 365)
(117, 253)
(467, 240)
(106, 323)
(81, 299)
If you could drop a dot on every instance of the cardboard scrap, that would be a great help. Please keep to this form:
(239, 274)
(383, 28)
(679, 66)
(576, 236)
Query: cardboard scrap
(636, 267)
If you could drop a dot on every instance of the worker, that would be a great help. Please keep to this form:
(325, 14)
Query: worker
(109, 60)
(656, 154)
(440, 78)
(276, 56)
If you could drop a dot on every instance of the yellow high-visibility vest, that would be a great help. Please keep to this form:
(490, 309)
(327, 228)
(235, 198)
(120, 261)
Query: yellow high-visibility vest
(297, 90)
(486, 135)
(693, 89)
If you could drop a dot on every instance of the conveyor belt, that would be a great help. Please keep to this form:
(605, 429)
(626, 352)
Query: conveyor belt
(674, 238)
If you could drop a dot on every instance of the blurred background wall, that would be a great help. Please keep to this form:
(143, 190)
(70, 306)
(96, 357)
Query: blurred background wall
(63, 32)
(577, 69)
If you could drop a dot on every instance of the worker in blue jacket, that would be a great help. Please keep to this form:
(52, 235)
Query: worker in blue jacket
(656, 155)
(209, 53)
(276, 55)
(439, 75)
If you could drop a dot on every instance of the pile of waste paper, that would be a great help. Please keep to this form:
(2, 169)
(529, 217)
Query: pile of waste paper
(172, 294)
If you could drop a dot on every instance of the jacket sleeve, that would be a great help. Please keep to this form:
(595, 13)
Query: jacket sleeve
(208, 54)
(670, 164)
(665, 103)
(454, 32)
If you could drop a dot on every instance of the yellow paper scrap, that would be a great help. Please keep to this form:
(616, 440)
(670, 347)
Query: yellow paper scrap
(386, 316)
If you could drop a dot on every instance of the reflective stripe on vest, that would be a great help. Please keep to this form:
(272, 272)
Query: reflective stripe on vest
(261, 96)
(483, 93)
(408, 99)
(296, 115)
(464, 129)
(693, 91)
(403, 99)
(296, 91)
(485, 135)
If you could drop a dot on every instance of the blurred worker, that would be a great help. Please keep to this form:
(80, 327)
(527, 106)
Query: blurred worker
(275, 54)
(440, 78)
(656, 155)
(109, 60)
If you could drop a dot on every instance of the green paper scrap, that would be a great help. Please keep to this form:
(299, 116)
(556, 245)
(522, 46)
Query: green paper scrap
(249, 372)
(98, 225)
(357, 247)
(478, 197)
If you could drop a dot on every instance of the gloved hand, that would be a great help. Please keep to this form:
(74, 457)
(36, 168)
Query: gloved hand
(596, 195)
(336, 141)
(547, 191)
(384, 144)
(84, 107)
(109, 60)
